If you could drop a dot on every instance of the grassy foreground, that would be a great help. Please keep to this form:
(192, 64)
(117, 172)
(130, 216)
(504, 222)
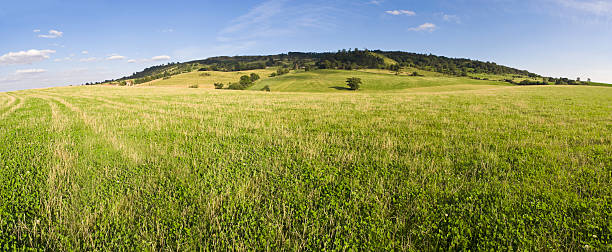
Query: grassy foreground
(503, 167)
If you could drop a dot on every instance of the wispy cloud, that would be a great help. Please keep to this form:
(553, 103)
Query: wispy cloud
(451, 18)
(401, 12)
(160, 58)
(596, 7)
(279, 18)
(424, 27)
(63, 59)
(132, 61)
(30, 71)
(36, 31)
(25, 57)
(84, 52)
(52, 34)
(376, 2)
(167, 30)
(90, 59)
(115, 57)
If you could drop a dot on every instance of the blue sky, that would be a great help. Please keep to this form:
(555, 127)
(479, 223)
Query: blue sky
(47, 43)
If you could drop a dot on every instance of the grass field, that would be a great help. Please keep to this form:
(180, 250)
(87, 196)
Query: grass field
(480, 167)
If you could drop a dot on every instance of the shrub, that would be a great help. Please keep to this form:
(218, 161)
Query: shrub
(254, 77)
(266, 88)
(167, 78)
(273, 75)
(282, 71)
(354, 83)
(235, 86)
(194, 86)
(218, 85)
(204, 74)
(245, 80)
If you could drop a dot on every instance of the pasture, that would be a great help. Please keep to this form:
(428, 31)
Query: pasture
(435, 164)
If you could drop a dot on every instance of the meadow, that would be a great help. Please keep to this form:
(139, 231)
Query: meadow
(466, 165)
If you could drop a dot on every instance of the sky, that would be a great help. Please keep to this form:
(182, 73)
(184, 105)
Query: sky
(45, 43)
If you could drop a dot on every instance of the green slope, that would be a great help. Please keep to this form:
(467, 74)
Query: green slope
(334, 81)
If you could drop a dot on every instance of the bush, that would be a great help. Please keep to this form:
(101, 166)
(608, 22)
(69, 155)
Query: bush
(167, 78)
(254, 77)
(218, 85)
(273, 75)
(245, 80)
(194, 86)
(235, 86)
(204, 74)
(354, 83)
(282, 71)
(266, 88)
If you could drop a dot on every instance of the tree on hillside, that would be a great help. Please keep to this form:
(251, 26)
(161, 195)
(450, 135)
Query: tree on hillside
(254, 77)
(245, 80)
(354, 83)
(218, 85)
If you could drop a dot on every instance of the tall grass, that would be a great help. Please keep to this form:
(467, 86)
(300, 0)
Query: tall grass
(103, 168)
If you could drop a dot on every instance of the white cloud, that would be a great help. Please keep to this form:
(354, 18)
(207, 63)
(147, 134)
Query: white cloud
(131, 61)
(88, 59)
(597, 7)
(167, 30)
(30, 71)
(424, 27)
(160, 58)
(52, 34)
(84, 52)
(25, 57)
(376, 2)
(401, 12)
(63, 59)
(115, 57)
(451, 18)
(36, 31)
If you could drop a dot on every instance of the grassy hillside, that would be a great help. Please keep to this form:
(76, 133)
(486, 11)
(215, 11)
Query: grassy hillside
(206, 79)
(373, 80)
(500, 168)
(343, 59)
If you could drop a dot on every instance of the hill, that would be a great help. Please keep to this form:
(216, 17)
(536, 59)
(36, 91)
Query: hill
(334, 81)
(344, 59)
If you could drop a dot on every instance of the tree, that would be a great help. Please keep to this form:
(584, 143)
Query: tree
(589, 80)
(266, 88)
(254, 77)
(218, 85)
(354, 83)
(578, 79)
(245, 80)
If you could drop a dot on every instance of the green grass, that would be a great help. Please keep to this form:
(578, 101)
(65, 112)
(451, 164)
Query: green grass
(428, 168)
(206, 79)
(335, 81)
